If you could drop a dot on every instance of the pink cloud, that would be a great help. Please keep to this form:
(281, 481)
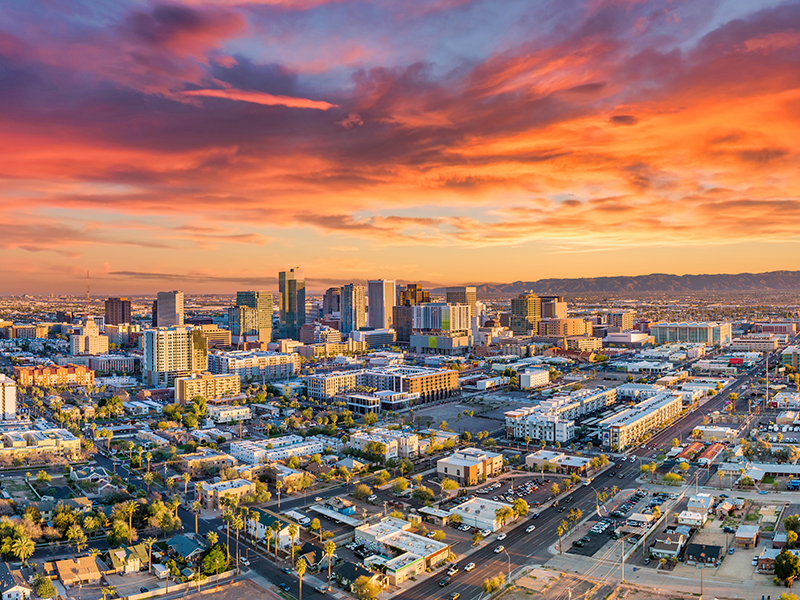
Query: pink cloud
(262, 98)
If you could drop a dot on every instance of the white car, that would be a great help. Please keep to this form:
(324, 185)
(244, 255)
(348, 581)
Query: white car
(486, 533)
(499, 549)
(245, 562)
(633, 459)
(530, 528)
(469, 567)
(501, 537)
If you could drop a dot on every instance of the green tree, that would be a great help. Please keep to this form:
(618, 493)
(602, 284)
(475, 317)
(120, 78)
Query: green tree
(477, 538)
(44, 587)
(400, 485)
(301, 567)
(362, 491)
(23, 548)
(787, 566)
(520, 507)
(675, 443)
(365, 589)
(448, 485)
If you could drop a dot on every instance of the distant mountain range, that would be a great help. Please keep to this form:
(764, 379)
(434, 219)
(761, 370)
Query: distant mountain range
(656, 282)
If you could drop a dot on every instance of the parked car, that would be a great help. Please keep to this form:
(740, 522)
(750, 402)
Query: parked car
(245, 562)
(501, 537)
(143, 589)
(322, 589)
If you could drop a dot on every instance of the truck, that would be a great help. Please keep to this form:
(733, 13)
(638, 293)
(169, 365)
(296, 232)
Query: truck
(303, 520)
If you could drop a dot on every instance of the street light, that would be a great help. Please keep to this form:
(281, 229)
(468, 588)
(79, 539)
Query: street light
(509, 565)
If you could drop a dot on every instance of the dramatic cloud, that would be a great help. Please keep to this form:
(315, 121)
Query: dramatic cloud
(261, 98)
(430, 129)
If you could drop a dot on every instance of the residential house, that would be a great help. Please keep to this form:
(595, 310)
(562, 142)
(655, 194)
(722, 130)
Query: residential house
(188, 547)
(73, 570)
(266, 520)
(702, 553)
(701, 503)
(12, 584)
(779, 540)
(668, 545)
(747, 536)
(691, 518)
(347, 573)
(340, 505)
(724, 509)
(129, 559)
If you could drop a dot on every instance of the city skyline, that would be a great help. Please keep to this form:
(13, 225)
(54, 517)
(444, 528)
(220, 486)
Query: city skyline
(206, 145)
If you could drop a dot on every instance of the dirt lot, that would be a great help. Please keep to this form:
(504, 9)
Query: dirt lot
(456, 419)
(232, 591)
(18, 489)
(132, 582)
(549, 584)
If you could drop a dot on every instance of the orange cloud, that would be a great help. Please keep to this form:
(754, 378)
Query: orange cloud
(262, 98)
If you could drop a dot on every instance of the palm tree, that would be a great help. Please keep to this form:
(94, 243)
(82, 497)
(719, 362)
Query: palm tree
(213, 537)
(301, 570)
(149, 457)
(196, 506)
(186, 478)
(148, 479)
(276, 527)
(237, 524)
(293, 534)
(268, 535)
(255, 519)
(278, 487)
(227, 517)
(23, 549)
(129, 507)
(170, 484)
(330, 548)
(149, 542)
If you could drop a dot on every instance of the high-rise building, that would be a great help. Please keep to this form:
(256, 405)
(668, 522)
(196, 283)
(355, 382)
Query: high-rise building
(463, 295)
(243, 323)
(553, 307)
(354, 308)
(261, 303)
(292, 302)
(171, 352)
(118, 311)
(332, 302)
(622, 319)
(8, 398)
(441, 328)
(403, 314)
(526, 311)
(154, 315)
(88, 340)
(381, 293)
(170, 309)
(412, 295)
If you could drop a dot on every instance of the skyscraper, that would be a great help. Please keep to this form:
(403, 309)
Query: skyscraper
(441, 328)
(354, 308)
(412, 295)
(118, 311)
(526, 311)
(8, 398)
(261, 303)
(403, 313)
(553, 307)
(292, 302)
(463, 295)
(170, 309)
(381, 294)
(332, 302)
(173, 352)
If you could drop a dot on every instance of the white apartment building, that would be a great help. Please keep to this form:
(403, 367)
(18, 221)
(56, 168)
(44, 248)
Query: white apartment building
(579, 403)
(258, 364)
(8, 398)
(638, 391)
(172, 352)
(534, 378)
(362, 440)
(539, 425)
(264, 451)
(223, 413)
(59, 442)
(627, 427)
(325, 386)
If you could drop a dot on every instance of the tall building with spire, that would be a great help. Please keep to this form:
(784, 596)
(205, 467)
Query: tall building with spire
(291, 302)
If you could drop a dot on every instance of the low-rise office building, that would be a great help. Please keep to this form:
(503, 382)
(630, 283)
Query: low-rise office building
(212, 493)
(225, 413)
(480, 513)
(391, 536)
(37, 442)
(255, 452)
(469, 466)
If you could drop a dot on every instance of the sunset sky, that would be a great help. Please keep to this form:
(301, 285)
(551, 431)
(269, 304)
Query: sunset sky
(206, 145)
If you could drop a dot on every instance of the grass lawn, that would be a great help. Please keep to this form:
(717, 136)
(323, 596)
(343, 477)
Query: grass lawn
(769, 479)
(751, 517)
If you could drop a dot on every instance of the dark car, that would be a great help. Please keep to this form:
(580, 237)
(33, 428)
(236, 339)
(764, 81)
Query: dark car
(287, 570)
(284, 587)
(143, 589)
(444, 582)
